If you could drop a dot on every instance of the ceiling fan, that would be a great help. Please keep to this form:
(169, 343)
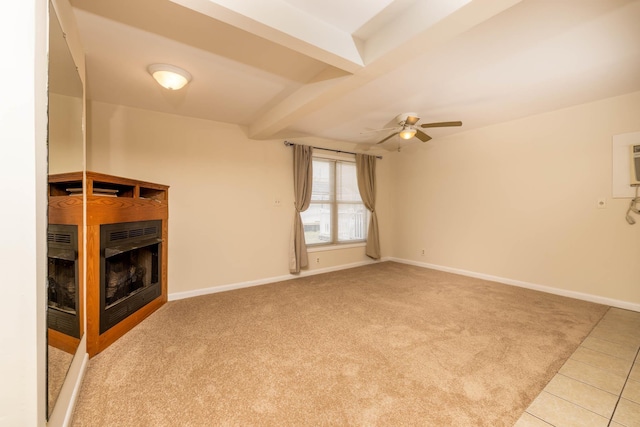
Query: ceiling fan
(407, 127)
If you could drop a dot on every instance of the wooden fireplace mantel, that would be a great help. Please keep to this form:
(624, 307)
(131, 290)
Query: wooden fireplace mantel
(110, 200)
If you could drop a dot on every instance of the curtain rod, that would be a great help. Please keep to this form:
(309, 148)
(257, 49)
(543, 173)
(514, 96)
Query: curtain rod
(288, 144)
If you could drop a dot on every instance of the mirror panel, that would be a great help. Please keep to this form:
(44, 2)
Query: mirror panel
(65, 105)
(65, 154)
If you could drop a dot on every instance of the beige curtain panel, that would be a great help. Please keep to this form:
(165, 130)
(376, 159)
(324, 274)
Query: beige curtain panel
(366, 170)
(302, 180)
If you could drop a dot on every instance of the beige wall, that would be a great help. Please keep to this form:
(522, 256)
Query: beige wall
(223, 226)
(518, 201)
(23, 181)
(515, 200)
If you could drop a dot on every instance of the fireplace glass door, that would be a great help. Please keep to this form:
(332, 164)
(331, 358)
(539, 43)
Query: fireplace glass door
(130, 269)
(62, 279)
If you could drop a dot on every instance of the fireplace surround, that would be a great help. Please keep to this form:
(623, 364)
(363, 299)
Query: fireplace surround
(125, 255)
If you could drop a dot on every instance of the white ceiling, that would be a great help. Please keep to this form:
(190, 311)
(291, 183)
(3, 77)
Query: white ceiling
(336, 69)
(347, 16)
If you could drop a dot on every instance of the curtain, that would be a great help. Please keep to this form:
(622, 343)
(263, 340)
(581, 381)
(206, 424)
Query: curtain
(302, 180)
(366, 171)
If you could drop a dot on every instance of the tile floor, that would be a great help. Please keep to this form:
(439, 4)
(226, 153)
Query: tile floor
(600, 383)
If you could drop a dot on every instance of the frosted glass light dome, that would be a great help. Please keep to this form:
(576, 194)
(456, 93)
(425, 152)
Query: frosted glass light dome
(407, 133)
(169, 76)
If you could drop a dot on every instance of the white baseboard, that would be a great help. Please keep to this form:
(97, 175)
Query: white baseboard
(548, 289)
(223, 288)
(76, 391)
(542, 288)
(62, 413)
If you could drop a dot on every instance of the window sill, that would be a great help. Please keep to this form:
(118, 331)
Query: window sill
(334, 247)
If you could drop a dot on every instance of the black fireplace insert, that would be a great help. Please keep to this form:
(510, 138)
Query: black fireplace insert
(130, 274)
(62, 279)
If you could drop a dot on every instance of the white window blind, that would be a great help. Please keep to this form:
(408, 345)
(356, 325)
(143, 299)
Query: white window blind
(336, 213)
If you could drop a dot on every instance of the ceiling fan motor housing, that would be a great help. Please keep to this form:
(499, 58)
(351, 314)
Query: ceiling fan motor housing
(402, 119)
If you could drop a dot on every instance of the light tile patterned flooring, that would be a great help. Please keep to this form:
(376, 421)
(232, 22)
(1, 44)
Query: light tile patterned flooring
(600, 383)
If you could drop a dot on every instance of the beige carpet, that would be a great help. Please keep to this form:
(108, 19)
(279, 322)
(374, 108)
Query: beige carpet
(386, 344)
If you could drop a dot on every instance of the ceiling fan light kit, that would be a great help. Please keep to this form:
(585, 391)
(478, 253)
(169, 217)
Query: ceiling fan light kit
(169, 76)
(407, 133)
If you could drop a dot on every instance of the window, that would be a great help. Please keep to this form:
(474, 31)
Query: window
(336, 213)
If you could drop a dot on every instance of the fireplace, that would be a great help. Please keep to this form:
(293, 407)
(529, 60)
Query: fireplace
(124, 224)
(130, 273)
(62, 279)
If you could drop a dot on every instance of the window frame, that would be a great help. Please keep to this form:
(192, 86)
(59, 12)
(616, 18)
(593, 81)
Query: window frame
(334, 203)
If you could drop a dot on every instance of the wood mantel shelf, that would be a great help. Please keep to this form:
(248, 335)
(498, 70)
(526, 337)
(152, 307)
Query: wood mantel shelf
(110, 200)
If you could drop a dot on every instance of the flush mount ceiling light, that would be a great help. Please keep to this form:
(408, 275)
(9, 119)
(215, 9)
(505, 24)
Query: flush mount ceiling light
(169, 76)
(407, 133)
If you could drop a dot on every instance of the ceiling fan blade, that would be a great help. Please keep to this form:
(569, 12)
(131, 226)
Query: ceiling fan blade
(411, 120)
(377, 130)
(440, 124)
(391, 147)
(363, 147)
(422, 136)
(389, 137)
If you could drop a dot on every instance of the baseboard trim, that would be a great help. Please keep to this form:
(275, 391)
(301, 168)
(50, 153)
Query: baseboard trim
(76, 391)
(542, 288)
(229, 287)
(62, 413)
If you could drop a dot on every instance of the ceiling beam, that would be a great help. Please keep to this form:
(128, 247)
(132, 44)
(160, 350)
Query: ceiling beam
(281, 23)
(384, 58)
(404, 26)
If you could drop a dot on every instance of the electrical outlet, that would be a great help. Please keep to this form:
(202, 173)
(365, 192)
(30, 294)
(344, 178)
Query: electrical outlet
(601, 203)
(422, 252)
(277, 202)
(317, 260)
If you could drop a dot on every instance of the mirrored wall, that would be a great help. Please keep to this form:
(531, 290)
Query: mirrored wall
(65, 140)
